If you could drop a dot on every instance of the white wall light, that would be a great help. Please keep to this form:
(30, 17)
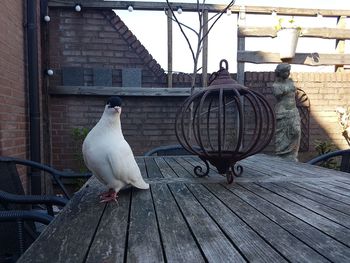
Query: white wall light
(130, 8)
(47, 18)
(49, 72)
(179, 10)
(77, 7)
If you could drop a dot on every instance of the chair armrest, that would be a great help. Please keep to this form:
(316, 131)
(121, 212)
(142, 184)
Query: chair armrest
(32, 199)
(326, 156)
(56, 174)
(14, 215)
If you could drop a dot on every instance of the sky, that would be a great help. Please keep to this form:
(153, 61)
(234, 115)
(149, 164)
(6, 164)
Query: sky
(151, 29)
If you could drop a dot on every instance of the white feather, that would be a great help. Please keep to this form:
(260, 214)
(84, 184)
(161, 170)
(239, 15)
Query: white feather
(108, 155)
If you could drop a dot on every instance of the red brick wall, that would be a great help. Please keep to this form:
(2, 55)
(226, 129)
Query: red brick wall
(91, 39)
(13, 112)
(148, 122)
(13, 108)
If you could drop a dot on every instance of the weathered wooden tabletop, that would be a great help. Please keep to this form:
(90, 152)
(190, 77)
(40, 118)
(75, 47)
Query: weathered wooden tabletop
(276, 211)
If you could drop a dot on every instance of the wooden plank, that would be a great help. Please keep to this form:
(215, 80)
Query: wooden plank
(326, 192)
(144, 243)
(152, 168)
(178, 243)
(111, 237)
(313, 238)
(283, 167)
(160, 6)
(213, 242)
(240, 65)
(177, 164)
(71, 242)
(340, 43)
(166, 170)
(317, 32)
(284, 242)
(110, 91)
(325, 225)
(170, 48)
(317, 197)
(141, 164)
(251, 245)
(312, 59)
(304, 168)
(335, 188)
(342, 186)
(205, 50)
(321, 209)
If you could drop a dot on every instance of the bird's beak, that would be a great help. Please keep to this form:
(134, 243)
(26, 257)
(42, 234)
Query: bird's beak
(117, 109)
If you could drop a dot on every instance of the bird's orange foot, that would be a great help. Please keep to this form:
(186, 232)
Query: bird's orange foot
(108, 196)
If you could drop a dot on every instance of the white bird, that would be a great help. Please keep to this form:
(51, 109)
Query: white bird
(108, 155)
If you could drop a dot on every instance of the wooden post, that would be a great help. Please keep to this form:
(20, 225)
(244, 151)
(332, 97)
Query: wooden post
(170, 49)
(240, 65)
(240, 45)
(205, 50)
(340, 44)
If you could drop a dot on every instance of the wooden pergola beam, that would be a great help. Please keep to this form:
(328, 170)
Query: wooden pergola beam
(311, 59)
(120, 91)
(326, 33)
(161, 6)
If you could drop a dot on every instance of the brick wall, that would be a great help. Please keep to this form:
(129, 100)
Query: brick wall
(100, 39)
(13, 111)
(92, 39)
(326, 91)
(13, 129)
(148, 122)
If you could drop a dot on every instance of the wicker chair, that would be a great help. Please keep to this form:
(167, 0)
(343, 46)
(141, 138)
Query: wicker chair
(343, 162)
(167, 150)
(19, 212)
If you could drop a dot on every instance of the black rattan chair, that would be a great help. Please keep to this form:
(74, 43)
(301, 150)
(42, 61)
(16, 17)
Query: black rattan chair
(19, 212)
(167, 150)
(338, 159)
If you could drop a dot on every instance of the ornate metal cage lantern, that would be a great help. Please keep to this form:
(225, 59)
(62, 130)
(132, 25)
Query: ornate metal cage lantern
(224, 123)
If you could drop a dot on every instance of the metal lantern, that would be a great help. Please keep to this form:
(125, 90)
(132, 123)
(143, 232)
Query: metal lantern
(224, 123)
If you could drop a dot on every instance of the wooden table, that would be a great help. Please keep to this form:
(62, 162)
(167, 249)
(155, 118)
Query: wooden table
(277, 211)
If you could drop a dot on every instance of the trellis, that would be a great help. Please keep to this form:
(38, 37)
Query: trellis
(340, 34)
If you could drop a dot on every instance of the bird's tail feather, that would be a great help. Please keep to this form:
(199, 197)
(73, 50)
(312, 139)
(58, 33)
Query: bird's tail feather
(140, 183)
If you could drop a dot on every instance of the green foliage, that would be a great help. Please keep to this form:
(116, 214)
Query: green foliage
(290, 23)
(78, 135)
(323, 147)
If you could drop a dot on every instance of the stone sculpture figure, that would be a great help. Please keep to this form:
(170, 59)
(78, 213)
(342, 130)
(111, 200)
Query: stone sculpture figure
(288, 128)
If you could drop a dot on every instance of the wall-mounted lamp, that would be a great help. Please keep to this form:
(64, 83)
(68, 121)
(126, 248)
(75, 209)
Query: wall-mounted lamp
(130, 8)
(77, 7)
(274, 13)
(179, 10)
(47, 18)
(49, 72)
(319, 15)
(228, 11)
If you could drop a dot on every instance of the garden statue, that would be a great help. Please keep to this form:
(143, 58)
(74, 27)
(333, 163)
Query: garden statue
(288, 128)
